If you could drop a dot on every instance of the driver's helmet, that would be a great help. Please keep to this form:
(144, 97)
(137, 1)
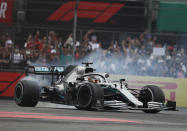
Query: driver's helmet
(94, 79)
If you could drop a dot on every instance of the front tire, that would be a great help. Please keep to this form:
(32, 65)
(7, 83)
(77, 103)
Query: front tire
(27, 93)
(88, 94)
(151, 93)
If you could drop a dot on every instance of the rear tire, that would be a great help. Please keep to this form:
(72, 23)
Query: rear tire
(27, 93)
(151, 93)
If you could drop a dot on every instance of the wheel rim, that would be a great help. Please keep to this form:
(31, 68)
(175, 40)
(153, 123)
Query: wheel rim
(19, 92)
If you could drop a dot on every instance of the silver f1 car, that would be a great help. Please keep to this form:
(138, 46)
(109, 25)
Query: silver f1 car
(85, 89)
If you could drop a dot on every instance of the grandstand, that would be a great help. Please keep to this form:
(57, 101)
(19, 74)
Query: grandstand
(138, 37)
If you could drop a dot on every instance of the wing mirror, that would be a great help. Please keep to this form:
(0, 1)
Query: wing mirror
(106, 75)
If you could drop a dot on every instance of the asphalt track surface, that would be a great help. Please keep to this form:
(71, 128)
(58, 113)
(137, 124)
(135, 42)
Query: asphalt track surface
(53, 117)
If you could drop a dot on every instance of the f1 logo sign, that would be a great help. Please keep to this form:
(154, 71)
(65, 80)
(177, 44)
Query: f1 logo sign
(100, 12)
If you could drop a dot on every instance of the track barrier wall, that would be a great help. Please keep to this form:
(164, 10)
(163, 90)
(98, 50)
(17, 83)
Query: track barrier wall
(175, 89)
(8, 81)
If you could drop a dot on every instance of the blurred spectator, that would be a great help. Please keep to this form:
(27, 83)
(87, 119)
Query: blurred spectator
(17, 56)
(3, 39)
(114, 47)
(4, 56)
(8, 42)
(134, 55)
(53, 58)
(30, 43)
(92, 41)
(69, 41)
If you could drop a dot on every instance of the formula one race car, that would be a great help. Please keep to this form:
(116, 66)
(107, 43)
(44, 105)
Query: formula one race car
(81, 87)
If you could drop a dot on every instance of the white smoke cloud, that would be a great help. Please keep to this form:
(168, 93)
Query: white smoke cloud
(41, 80)
(103, 61)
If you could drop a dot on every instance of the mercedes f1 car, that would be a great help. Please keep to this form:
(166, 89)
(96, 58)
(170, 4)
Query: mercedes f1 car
(85, 89)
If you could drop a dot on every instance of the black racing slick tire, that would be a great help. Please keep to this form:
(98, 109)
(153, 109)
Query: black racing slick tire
(27, 93)
(88, 94)
(151, 93)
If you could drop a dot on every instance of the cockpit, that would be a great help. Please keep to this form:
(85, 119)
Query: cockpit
(95, 78)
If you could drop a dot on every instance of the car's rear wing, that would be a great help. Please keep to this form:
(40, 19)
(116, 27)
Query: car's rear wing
(44, 70)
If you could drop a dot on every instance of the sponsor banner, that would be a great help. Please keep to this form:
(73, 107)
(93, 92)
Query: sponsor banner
(6, 11)
(8, 81)
(157, 51)
(174, 88)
